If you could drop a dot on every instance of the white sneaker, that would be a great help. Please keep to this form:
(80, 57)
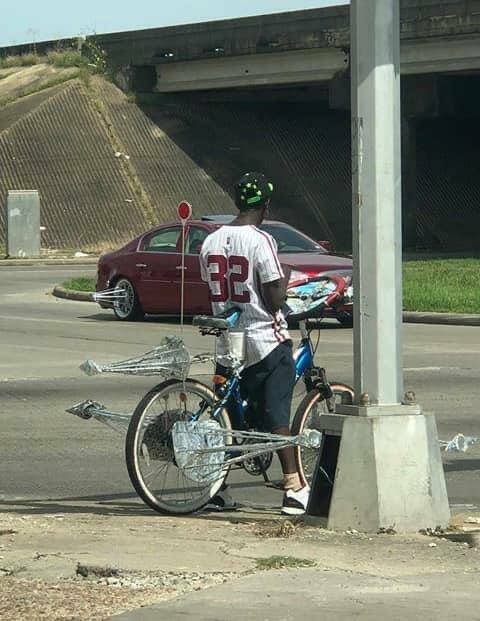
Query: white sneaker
(222, 501)
(295, 503)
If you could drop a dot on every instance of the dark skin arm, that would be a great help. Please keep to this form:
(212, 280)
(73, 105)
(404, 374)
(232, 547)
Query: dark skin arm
(275, 293)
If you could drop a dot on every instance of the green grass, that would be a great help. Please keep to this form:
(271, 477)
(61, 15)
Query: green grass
(23, 60)
(57, 58)
(81, 283)
(62, 58)
(433, 285)
(442, 285)
(66, 58)
(282, 562)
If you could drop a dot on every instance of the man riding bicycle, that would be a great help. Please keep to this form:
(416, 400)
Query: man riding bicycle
(241, 266)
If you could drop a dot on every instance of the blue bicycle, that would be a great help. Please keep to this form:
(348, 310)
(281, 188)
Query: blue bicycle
(150, 454)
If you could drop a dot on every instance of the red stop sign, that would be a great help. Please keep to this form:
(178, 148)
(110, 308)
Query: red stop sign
(184, 210)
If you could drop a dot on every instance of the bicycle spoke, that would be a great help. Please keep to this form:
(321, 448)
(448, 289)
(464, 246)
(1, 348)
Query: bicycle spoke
(166, 485)
(157, 471)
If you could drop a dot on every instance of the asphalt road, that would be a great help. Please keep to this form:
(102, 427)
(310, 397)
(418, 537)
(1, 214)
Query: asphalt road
(48, 455)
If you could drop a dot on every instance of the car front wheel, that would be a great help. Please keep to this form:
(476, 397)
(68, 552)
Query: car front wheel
(127, 308)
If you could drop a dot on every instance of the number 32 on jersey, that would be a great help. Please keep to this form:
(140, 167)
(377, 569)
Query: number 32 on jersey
(227, 282)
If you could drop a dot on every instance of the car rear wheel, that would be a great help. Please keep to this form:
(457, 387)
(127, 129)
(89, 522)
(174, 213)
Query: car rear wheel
(129, 308)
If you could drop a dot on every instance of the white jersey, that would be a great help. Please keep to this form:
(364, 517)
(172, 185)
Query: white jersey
(236, 261)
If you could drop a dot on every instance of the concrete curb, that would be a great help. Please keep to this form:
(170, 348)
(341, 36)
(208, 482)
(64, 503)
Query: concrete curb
(451, 319)
(32, 262)
(70, 294)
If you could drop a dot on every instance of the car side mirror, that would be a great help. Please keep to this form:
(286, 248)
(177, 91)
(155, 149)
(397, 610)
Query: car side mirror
(328, 245)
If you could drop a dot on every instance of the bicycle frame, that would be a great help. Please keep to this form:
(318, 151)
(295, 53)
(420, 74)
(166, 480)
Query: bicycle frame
(230, 390)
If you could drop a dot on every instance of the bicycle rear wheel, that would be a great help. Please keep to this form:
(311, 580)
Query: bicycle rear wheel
(149, 447)
(308, 416)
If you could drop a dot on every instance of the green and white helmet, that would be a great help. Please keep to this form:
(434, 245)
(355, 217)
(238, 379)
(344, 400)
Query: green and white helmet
(253, 191)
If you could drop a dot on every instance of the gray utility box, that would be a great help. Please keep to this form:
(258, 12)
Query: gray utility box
(23, 223)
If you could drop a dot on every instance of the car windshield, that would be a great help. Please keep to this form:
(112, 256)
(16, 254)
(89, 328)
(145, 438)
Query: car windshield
(290, 240)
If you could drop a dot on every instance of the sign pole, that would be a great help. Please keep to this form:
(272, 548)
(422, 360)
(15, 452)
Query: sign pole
(184, 211)
(182, 292)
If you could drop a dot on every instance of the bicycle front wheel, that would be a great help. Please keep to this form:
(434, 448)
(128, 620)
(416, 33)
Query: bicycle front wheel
(308, 416)
(149, 447)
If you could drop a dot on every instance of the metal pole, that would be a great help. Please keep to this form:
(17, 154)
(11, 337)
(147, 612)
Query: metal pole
(376, 169)
(182, 293)
(389, 469)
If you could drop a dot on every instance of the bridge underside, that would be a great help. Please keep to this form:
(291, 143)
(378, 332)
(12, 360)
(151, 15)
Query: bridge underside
(273, 93)
(309, 66)
(300, 136)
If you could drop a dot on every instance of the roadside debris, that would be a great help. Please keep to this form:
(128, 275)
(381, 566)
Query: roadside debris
(387, 531)
(459, 443)
(283, 562)
(95, 570)
(273, 529)
(7, 531)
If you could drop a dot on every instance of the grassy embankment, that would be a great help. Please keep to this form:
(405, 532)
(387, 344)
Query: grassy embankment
(442, 285)
(80, 64)
(433, 285)
(91, 58)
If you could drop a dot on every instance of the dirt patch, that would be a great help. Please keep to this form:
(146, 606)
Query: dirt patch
(282, 562)
(69, 599)
(281, 529)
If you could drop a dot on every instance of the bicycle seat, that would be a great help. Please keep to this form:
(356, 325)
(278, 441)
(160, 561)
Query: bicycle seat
(224, 321)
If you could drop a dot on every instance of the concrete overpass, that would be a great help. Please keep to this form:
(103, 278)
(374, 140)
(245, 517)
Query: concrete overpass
(273, 92)
(301, 47)
(302, 59)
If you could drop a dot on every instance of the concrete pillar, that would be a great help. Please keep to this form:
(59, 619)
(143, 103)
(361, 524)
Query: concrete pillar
(376, 169)
(389, 471)
(389, 475)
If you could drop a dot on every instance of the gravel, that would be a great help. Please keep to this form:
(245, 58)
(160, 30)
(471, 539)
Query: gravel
(94, 597)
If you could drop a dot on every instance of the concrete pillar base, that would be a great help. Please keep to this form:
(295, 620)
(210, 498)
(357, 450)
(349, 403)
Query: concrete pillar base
(389, 475)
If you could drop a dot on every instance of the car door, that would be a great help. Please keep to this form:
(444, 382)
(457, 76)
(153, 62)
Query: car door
(158, 262)
(196, 291)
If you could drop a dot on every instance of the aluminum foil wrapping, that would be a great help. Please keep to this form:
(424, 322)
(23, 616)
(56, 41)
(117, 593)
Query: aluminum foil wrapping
(169, 359)
(88, 409)
(192, 442)
(459, 443)
(306, 297)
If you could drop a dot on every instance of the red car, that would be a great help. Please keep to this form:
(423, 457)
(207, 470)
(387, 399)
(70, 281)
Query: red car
(149, 268)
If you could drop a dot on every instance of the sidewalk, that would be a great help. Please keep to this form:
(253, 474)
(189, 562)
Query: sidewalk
(328, 595)
(97, 559)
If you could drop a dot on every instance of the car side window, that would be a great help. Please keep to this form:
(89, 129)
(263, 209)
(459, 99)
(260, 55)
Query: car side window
(162, 241)
(195, 238)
